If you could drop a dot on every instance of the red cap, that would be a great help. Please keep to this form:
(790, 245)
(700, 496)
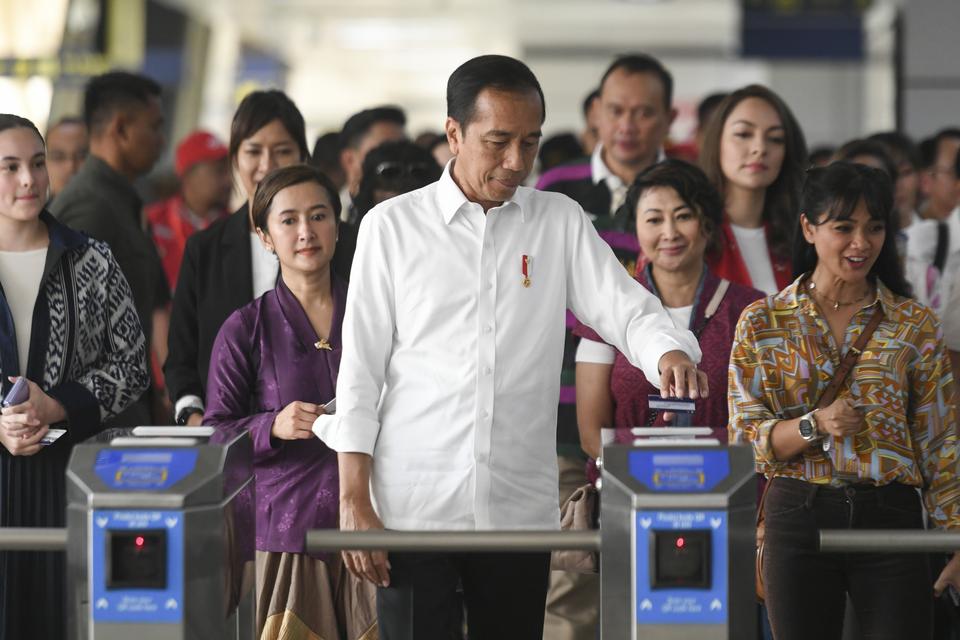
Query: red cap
(199, 146)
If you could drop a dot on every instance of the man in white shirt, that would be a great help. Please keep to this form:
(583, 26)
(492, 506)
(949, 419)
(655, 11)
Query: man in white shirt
(452, 342)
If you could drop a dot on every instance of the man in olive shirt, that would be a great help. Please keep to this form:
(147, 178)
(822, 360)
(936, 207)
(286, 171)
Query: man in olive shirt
(122, 113)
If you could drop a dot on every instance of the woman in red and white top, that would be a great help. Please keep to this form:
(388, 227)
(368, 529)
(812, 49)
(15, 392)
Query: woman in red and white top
(755, 154)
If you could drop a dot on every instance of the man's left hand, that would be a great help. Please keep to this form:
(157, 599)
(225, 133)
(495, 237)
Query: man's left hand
(680, 378)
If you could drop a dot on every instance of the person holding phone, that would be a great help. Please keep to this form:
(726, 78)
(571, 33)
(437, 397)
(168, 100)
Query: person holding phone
(842, 385)
(274, 362)
(70, 336)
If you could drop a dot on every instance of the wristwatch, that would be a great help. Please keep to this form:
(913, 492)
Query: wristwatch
(808, 428)
(185, 414)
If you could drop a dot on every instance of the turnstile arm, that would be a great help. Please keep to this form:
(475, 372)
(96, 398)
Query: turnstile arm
(889, 540)
(449, 541)
(32, 539)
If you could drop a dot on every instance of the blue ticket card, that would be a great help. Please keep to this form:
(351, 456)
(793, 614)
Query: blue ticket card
(676, 405)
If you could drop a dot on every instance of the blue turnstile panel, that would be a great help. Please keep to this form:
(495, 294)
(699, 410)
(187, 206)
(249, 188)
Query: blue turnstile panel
(665, 605)
(144, 469)
(695, 471)
(137, 566)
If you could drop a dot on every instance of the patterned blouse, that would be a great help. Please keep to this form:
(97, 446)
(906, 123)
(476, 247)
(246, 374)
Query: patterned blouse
(783, 358)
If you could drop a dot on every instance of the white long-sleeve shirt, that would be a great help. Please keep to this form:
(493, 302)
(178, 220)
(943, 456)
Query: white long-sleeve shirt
(451, 367)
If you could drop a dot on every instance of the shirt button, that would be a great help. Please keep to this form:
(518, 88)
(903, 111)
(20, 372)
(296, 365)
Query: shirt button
(487, 370)
(482, 458)
(483, 413)
(487, 329)
(489, 286)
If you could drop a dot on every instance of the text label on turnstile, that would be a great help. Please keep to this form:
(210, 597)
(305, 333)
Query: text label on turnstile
(137, 605)
(681, 471)
(681, 606)
(144, 469)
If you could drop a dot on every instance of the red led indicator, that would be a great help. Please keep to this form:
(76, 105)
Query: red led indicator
(680, 543)
(139, 542)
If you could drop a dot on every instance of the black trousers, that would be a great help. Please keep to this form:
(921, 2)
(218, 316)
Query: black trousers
(891, 593)
(504, 595)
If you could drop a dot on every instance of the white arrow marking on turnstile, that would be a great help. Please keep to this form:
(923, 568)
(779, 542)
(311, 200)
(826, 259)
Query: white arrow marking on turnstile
(171, 523)
(716, 605)
(645, 522)
(102, 603)
(716, 522)
(171, 604)
(102, 522)
(646, 605)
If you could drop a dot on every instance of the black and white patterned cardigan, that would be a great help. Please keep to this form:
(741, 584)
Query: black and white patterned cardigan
(87, 348)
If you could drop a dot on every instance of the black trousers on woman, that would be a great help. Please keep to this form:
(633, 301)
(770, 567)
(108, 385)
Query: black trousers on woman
(892, 593)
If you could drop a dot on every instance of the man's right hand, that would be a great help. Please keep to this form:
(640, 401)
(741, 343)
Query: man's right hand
(369, 565)
(195, 420)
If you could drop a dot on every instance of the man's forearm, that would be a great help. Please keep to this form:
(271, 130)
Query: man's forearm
(355, 477)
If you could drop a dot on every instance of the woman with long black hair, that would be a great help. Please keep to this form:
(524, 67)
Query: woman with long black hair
(861, 455)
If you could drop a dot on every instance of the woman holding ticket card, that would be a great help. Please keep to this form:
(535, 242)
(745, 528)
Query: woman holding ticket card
(678, 215)
(71, 355)
(842, 385)
(274, 362)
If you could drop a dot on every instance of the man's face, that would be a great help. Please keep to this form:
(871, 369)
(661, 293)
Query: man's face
(496, 150)
(142, 137)
(66, 150)
(352, 158)
(940, 181)
(633, 119)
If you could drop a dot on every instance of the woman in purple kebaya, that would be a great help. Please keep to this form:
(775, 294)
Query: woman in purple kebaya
(678, 215)
(274, 365)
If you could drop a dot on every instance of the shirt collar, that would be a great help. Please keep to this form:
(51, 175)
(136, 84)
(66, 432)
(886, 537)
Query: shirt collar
(600, 172)
(796, 296)
(451, 199)
(953, 226)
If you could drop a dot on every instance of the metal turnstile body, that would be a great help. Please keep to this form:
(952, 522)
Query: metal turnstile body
(678, 543)
(161, 539)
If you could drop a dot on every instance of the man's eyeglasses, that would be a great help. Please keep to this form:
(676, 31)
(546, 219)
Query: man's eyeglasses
(392, 170)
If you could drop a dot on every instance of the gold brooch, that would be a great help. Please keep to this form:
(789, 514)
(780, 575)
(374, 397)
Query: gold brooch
(322, 343)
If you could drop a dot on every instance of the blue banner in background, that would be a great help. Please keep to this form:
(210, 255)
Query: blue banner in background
(803, 29)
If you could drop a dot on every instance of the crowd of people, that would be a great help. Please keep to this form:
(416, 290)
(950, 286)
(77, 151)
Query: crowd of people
(484, 340)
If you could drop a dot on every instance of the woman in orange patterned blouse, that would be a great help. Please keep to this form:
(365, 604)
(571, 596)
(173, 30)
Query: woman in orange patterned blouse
(864, 461)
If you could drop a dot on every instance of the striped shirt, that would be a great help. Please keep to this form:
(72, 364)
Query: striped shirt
(783, 358)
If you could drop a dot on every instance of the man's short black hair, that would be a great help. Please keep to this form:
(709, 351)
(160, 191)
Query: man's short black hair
(930, 147)
(502, 73)
(359, 124)
(707, 106)
(643, 63)
(108, 93)
(900, 146)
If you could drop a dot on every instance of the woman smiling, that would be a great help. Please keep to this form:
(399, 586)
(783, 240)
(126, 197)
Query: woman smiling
(274, 363)
(847, 450)
(677, 218)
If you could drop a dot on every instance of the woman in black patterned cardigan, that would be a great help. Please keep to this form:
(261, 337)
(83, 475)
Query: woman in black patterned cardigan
(69, 327)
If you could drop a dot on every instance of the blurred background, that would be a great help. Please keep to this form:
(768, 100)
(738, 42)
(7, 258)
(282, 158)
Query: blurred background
(846, 67)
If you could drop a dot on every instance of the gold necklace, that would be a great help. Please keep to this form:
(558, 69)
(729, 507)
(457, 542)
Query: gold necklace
(811, 289)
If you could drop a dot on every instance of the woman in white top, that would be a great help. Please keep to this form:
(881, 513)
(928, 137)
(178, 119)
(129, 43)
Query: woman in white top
(68, 327)
(755, 154)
